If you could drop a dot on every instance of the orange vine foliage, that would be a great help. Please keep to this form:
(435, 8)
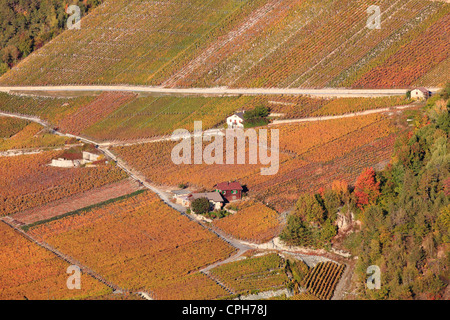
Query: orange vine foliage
(322, 280)
(95, 111)
(138, 243)
(27, 181)
(196, 286)
(253, 222)
(28, 271)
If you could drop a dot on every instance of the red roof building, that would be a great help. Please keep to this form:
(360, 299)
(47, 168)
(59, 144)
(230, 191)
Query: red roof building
(230, 190)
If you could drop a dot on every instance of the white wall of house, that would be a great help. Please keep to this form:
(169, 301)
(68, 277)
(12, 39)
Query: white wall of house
(235, 122)
(63, 163)
(90, 156)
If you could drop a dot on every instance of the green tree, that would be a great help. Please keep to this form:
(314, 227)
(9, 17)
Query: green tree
(200, 206)
(309, 209)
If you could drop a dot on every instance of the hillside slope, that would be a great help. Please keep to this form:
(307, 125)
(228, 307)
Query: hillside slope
(259, 43)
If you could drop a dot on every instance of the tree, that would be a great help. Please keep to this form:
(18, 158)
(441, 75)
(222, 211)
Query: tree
(296, 232)
(341, 188)
(200, 206)
(309, 209)
(367, 189)
(256, 113)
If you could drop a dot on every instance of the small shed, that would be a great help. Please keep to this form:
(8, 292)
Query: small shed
(420, 93)
(236, 120)
(182, 197)
(89, 156)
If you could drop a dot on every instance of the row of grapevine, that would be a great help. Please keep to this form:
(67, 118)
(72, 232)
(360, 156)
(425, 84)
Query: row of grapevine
(260, 43)
(322, 280)
(260, 273)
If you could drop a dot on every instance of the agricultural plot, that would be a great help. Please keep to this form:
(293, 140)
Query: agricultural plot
(312, 155)
(349, 105)
(262, 43)
(11, 126)
(49, 109)
(196, 286)
(253, 222)
(31, 136)
(323, 279)
(140, 244)
(147, 117)
(29, 272)
(154, 161)
(262, 273)
(28, 182)
(151, 39)
(117, 116)
(89, 114)
(76, 202)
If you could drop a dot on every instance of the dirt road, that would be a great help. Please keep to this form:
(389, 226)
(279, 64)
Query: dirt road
(218, 91)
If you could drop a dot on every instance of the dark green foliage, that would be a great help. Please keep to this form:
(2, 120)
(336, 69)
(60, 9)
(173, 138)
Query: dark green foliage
(218, 214)
(257, 112)
(297, 232)
(256, 117)
(200, 206)
(407, 227)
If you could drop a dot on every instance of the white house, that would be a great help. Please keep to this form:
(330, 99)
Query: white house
(420, 94)
(236, 120)
(86, 159)
(64, 163)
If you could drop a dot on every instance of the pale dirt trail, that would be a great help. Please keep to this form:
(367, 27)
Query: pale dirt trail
(218, 91)
(342, 116)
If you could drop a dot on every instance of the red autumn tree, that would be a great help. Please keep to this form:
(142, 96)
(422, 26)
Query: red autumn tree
(367, 189)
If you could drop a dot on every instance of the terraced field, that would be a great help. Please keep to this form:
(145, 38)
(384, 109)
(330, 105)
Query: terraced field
(261, 43)
(29, 272)
(312, 156)
(23, 134)
(323, 278)
(253, 274)
(253, 222)
(28, 182)
(121, 116)
(140, 243)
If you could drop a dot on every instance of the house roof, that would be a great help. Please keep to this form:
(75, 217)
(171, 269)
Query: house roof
(229, 186)
(181, 192)
(239, 115)
(211, 196)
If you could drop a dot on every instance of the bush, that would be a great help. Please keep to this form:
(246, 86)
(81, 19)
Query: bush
(200, 206)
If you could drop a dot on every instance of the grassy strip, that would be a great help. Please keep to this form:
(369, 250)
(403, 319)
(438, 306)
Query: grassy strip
(83, 210)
